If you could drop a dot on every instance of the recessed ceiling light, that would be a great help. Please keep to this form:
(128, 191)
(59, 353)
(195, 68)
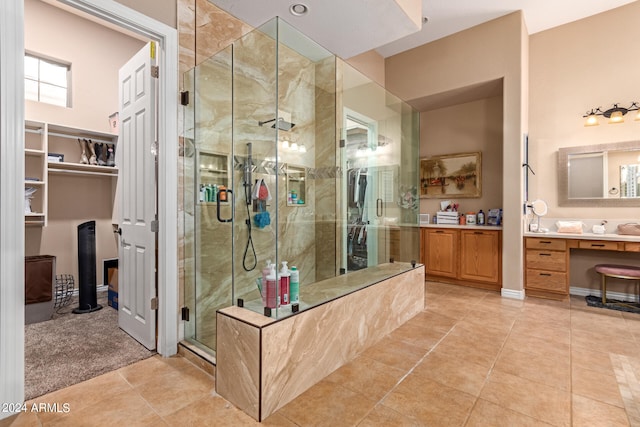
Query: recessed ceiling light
(298, 9)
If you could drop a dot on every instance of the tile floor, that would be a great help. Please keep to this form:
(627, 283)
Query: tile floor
(471, 358)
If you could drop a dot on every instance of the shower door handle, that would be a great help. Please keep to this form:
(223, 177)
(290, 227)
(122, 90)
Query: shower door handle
(379, 207)
(230, 200)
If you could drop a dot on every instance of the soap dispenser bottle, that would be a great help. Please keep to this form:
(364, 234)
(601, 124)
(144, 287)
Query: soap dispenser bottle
(285, 278)
(263, 285)
(480, 217)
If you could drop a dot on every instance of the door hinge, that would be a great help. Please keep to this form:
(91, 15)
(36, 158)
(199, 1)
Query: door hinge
(155, 71)
(184, 97)
(154, 303)
(185, 313)
(154, 226)
(342, 143)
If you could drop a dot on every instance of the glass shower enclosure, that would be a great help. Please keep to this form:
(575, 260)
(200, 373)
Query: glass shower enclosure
(292, 158)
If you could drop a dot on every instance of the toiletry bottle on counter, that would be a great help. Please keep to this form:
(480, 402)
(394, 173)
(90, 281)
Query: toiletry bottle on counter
(272, 297)
(294, 285)
(480, 217)
(285, 278)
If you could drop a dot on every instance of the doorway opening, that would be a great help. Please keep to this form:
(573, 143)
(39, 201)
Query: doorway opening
(81, 188)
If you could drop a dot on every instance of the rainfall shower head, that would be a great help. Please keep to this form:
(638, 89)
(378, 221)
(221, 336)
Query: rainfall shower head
(282, 123)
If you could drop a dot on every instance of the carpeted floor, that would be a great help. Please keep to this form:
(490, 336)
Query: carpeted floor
(76, 347)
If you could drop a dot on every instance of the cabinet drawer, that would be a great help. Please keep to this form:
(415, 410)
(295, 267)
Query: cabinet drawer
(603, 245)
(547, 280)
(632, 246)
(549, 244)
(546, 260)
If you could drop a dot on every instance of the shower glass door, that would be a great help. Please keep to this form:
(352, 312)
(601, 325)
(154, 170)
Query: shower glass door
(208, 196)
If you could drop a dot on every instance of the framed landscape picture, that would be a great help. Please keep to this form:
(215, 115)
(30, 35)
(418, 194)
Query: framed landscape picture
(451, 175)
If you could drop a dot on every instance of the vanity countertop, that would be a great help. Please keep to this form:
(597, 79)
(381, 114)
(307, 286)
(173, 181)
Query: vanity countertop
(464, 227)
(585, 236)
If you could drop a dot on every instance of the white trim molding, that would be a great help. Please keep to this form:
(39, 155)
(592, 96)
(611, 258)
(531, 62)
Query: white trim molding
(620, 296)
(512, 293)
(11, 202)
(167, 264)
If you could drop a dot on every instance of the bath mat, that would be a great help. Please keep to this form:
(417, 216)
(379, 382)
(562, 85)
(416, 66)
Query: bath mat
(613, 304)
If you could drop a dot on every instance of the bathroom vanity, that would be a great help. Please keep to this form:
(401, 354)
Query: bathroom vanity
(547, 258)
(463, 255)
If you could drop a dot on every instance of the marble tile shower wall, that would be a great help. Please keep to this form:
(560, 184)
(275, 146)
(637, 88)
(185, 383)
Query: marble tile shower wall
(307, 90)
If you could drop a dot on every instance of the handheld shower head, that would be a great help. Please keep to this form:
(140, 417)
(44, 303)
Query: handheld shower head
(282, 123)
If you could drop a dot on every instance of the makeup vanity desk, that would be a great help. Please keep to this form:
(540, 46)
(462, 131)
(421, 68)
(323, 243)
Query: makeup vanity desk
(547, 258)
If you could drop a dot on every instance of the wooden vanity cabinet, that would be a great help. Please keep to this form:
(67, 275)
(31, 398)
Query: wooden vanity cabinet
(546, 267)
(469, 257)
(480, 258)
(441, 250)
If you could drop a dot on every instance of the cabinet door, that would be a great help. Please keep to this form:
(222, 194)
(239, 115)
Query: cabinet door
(479, 257)
(441, 248)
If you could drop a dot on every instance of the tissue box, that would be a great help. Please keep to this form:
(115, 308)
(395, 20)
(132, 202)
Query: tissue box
(447, 217)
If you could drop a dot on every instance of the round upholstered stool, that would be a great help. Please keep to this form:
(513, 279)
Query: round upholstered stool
(627, 272)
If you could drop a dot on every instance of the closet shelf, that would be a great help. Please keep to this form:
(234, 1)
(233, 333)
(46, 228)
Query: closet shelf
(78, 168)
(31, 152)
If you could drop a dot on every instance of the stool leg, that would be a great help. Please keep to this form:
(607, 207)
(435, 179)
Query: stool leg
(604, 289)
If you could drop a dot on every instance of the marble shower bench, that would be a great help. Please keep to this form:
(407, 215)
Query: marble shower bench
(264, 363)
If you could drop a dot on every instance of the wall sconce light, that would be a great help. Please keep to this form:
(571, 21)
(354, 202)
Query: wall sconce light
(615, 114)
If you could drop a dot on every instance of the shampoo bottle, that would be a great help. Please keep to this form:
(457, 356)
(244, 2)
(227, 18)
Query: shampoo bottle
(480, 217)
(272, 296)
(294, 285)
(285, 277)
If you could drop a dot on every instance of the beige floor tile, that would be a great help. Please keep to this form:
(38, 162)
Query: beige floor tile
(430, 402)
(145, 370)
(541, 327)
(368, 377)
(537, 345)
(431, 320)
(418, 336)
(85, 394)
(455, 373)
(395, 353)
(596, 385)
(544, 403)
(23, 419)
(618, 344)
(127, 408)
(383, 416)
(174, 390)
(277, 420)
(585, 358)
(469, 347)
(492, 299)
(327, 404)
(549, 370)
(588, 412)
(485, 414)
(209, 411)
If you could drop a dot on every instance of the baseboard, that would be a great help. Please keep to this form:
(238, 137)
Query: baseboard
(513, 294)
(620, 296)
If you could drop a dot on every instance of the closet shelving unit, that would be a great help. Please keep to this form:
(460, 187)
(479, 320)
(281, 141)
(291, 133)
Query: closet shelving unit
(44, 139)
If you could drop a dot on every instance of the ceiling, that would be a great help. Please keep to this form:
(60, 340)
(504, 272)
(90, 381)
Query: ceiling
(348, 28)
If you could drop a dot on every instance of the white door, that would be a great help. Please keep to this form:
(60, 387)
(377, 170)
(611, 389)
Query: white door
(137, 190)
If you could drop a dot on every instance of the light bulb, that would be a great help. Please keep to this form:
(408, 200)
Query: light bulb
(303, 149)
(285, 144)
(616, 117)
(294, 146)
(592, 120)
(637, 116)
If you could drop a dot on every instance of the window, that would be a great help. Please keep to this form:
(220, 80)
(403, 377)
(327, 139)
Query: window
(46, 80)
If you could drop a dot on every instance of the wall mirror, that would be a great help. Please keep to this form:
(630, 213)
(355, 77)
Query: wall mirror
(602, 175)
